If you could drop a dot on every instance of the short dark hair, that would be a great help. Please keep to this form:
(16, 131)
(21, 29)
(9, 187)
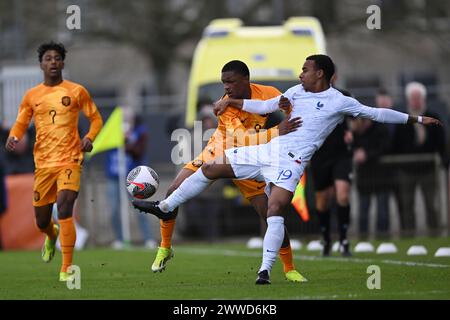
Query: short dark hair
(323, 62)
(58, 47)
(238, 67)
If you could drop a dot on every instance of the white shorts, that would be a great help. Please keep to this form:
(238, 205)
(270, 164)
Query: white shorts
(265, 162)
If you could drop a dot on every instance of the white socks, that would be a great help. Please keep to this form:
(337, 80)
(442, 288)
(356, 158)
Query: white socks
(272, 242)
(190, 187)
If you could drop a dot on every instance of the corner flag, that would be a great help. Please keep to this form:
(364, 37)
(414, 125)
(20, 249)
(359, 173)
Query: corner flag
(111, 136)
(299, 199)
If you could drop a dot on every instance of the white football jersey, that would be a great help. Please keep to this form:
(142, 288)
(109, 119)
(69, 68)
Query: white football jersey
(321, 112)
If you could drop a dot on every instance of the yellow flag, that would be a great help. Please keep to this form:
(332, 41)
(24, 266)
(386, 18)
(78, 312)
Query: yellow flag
(299, 199)
(111, 136)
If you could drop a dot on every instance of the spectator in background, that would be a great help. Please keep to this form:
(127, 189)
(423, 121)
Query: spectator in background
(386, 182)
(416, 139)
(384, 100)
(135, 145)
(369, 143)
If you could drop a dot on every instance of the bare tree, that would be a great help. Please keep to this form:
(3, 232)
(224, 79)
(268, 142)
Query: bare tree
(159, 28)
(24, 24)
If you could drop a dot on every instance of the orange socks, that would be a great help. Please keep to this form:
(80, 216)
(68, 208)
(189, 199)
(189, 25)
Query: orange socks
(287, 259)
(166, 228)
(67, 237)
(50, 230)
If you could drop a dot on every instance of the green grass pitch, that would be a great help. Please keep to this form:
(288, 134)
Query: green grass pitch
(228, 271)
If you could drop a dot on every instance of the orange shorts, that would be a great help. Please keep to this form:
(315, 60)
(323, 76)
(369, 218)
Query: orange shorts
(49, 181)
(248, 188)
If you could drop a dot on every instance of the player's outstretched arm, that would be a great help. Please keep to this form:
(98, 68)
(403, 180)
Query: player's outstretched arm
(221, 105)
(251, 106)
(426, 121)
(352, 107)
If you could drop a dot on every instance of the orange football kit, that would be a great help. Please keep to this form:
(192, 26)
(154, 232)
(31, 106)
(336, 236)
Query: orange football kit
(57, 150)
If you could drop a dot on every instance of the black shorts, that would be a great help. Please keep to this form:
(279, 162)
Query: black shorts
(325, 173)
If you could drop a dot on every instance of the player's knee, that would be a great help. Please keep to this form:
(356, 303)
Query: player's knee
(42, 223)
(43, 216)
(65, 208)
(275, 208)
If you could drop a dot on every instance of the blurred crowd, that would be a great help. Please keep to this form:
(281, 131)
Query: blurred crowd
(426, 150)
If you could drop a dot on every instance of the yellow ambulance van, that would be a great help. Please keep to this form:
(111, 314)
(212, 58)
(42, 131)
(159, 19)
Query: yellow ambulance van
(274, 55)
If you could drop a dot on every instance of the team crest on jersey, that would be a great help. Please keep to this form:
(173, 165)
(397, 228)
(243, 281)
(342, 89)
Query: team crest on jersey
(197, 163)
(65, 101)
(319, 105)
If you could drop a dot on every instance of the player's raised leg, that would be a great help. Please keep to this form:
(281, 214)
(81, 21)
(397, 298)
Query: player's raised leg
(44, 222)
(166, 227)
(190, 187)
(66, 200)
(259, 202)
(279, 199)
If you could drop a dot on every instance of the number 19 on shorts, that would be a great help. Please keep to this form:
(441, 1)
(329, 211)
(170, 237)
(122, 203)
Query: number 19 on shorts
(284, 175)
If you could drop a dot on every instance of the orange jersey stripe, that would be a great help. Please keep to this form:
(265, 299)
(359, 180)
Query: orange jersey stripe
(55, 111)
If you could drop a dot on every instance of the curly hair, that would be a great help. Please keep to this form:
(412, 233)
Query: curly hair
(58, 47)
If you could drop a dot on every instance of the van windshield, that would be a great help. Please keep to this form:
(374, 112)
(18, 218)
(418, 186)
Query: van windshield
(212, 92)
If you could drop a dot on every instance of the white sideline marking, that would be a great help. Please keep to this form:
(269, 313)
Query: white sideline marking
(236, 253)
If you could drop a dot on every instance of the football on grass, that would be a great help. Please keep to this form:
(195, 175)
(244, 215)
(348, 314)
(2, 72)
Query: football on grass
(142, 182)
